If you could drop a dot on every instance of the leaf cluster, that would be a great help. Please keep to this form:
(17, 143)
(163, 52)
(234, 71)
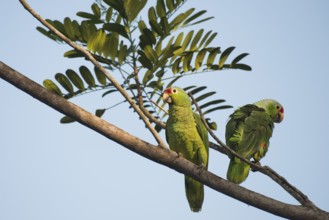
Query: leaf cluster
(149, 54)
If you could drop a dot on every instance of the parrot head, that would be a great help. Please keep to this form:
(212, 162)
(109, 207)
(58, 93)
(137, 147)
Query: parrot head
(273, 108)
(176, 96)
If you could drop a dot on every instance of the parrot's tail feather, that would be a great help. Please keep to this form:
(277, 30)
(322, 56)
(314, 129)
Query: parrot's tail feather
(194, 193)
(237, 171)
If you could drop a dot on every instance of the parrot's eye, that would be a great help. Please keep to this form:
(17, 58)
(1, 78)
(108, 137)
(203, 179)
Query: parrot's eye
(277, 107)
(174, 90)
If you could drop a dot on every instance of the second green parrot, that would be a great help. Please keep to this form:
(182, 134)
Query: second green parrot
(187, 135)
(248, 132)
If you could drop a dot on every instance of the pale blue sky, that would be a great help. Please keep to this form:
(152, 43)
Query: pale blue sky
(54, 171)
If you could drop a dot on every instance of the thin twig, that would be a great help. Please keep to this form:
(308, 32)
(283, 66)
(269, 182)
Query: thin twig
(141, 102)
(162, 109)
(100, 67)
(292, 190)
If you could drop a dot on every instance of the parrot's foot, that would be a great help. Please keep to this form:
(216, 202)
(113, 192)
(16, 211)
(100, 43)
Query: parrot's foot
(201, 168)
(257, 163)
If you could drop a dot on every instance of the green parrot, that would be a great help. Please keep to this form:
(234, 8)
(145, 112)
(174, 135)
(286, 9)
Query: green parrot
(187, 135)
(248, 132)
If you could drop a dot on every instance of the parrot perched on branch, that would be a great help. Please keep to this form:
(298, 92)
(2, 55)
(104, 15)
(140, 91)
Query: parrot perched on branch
(248, 132)
(187, 135)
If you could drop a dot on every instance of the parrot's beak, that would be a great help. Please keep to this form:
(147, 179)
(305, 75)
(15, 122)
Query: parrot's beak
(166, 97)
(279, 117)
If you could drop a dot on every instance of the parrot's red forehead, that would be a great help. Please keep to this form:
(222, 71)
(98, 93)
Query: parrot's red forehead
(168, 90)
(281, 110)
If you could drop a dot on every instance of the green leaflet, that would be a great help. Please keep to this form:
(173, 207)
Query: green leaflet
(149, 37)
(151, 54)
(170, 5)
(75, 79)
(185, 43)
(179, 39)
(122, 53)
(211, 57)
(242, 67)
(194, 91)
(203, 20)
(109, 14)
(236, 65)
(199, 59)
(224, 56)
(158, 48)
(65, 82)
(58, 25)
(152, 14)
(205, 37)
(87, 76)
(117, 28)
(86, 15)
(165, 26)
(141, 26)
(66, 120)
(96, 10)
(187, 61)
(180, 19)
(175, 67)
(218, 101)
(147, 76)
(51, 86)
(133, 8)
(48, 34)
(111, 46)
(206, 95)
(100, 76)
(193, 17)
(76, 30)
(68, 27)
(212, 125)
(118, 6)
(210, 39)
(217, 108)
(195, 40)
(100, 112)
(144, 60)
(168, 47)
(109, 92)
(239, 58)
(156, 27)
(87, 29)
(97, 41)
(161, 8)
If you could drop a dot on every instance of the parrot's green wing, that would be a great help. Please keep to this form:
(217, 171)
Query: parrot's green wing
(202, 130)
(247, 132)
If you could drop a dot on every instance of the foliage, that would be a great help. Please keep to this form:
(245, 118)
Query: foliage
(150, 54)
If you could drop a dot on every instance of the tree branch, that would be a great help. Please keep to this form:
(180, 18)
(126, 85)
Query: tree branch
(90, 57)
(157, 154)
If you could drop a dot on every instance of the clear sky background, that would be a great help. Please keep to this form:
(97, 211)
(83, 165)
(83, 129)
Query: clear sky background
(54, 171)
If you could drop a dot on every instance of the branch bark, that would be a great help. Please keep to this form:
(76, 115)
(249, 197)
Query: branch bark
(158, 154)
